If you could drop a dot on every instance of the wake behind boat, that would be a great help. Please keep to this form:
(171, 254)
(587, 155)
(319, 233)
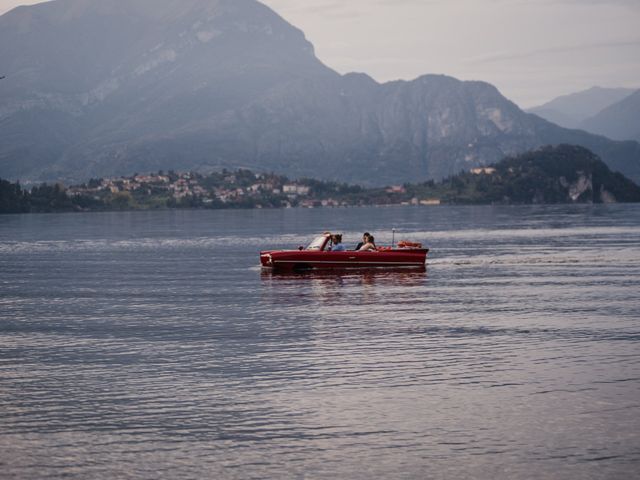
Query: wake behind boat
(319, 256)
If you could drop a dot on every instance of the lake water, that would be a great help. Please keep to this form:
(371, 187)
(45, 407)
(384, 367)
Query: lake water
(150, 345)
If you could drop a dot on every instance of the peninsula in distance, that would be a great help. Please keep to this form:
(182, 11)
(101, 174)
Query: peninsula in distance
(204, 85)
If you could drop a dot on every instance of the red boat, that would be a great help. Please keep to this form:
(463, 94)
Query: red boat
(318, 256)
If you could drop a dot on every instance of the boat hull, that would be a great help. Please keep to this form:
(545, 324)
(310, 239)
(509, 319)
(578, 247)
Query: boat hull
(304, 260)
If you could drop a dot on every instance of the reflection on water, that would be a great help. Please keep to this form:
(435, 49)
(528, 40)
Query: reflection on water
(151, 345)
(388, 276)
(330, 286)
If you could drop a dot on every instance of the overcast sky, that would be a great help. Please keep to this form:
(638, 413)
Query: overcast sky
(532, 50)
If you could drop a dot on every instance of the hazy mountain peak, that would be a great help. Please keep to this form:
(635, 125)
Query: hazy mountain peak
(158, 9)
(570, 110)
(620, 121)
(76, 46)
(240, 15)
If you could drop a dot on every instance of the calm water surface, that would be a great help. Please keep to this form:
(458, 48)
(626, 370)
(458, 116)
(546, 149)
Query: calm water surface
(149, 345)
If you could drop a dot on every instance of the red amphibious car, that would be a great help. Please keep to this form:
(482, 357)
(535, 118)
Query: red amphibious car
(318, 256)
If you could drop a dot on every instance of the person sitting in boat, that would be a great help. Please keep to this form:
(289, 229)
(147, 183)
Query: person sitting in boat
(370, 245)
(337, 245)
(365, 235)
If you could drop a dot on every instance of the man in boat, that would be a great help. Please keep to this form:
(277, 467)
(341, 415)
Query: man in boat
(336, 243)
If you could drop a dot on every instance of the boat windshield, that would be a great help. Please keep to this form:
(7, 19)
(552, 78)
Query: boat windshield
(318, 243)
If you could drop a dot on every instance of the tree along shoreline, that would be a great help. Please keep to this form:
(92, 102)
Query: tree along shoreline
(550, 175)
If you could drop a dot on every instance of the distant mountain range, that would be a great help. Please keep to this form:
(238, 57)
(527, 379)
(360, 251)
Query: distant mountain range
(570, 111)
(612, 112)
(620, 121)
(109, 87)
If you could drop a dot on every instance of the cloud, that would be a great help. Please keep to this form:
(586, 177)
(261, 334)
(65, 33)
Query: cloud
(506, 56)
(624, 3)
